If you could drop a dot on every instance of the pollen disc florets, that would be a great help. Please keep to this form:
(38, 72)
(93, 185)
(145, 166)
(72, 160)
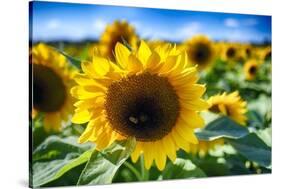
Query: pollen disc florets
(144, 106)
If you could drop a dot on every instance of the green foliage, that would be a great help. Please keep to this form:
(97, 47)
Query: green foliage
(182, 168)
(222, 127)
(54, 156)
(103, 165)
(253, 148)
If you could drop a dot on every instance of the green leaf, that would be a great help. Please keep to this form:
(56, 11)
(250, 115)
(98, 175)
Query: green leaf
(182, 168)
(255, 119)
(103, 165)
(43, 172)
(55, 147)
(222, 127)
(262, 105)
(265, 135)
(253, 148)
(71, 164)
(75, 62)
(55, 156)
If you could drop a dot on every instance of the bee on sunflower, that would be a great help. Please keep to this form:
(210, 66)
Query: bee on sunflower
(230, 105)
(250, 69)
(151, 95)
(201, 51)
(52, 79)
(119, 31)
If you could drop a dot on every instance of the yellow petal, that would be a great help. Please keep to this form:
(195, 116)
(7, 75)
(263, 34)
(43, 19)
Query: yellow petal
(169, 147)
(153, 61)
(180, 142)
(191, 91)
(186, 133)
(122, 54)
(101, 65)
(136, 153)
(143, 53)
(196, 104)
(87, 133)
(134, 65)
(81, 117)
(148, 154)
(191, 119)
(169, 65)
(160, 156)
(80, 93)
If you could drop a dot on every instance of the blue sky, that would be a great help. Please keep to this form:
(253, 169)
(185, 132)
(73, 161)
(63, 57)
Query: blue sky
(68, 21)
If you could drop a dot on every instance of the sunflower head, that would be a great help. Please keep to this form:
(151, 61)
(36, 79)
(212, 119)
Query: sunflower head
(150, 95)
(250, 69)
(245, 52)
(230, 53)
(230, 105)
(52, 80)
(200, 51)
(119, 31)
(265, 54)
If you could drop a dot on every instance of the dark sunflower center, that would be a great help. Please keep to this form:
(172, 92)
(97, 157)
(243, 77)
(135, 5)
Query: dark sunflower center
(201, 53)
(230, 53)
(49, 92)
(144, 106)
(248, 52)
(253, 70)
(215, 109)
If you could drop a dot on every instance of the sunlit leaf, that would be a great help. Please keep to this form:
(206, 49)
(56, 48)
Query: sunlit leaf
(182, 168)
(103, 165)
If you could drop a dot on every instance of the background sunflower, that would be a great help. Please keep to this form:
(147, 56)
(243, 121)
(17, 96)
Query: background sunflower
(118, 31)
(200, 51)
(52, 80)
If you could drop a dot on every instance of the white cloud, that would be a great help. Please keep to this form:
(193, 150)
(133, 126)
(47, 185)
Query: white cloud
(52, 24)
(189, 30)
(99, 25)
(231, 22)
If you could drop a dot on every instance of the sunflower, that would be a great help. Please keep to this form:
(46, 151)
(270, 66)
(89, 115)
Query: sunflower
(230, 105)
(246, 51)
(52, 80)
(265, 54)
(151, 95)
(200, 51)
(250, 69)
(230, 53)
(119, 31)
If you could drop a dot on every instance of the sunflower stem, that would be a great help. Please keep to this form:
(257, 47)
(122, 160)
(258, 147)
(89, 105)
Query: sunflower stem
(134, 170)
(144, 172)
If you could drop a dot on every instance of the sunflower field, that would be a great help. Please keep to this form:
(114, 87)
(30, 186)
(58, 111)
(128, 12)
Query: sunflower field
(126, 109)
